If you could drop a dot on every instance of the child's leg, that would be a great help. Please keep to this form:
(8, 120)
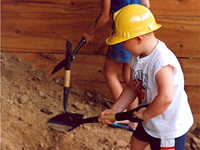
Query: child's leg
(110, 73)
(137, 144)
(139, 139)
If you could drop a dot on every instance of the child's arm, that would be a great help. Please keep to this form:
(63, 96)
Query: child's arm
(101, 20)
(164, 80)
(146, 3)
(128, 96)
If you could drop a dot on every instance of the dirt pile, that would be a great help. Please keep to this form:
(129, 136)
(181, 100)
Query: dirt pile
(29, 98)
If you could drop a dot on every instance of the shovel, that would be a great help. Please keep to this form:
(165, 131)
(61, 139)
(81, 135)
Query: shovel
(69, 121)
(67, 64)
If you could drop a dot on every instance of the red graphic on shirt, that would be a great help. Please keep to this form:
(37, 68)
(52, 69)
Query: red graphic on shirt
(140, 90)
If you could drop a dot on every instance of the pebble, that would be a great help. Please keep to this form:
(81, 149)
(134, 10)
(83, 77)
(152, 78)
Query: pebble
(121, 143)
(196, 142)
(78, 106)
(23, 99)
(46, 111)
(41, 94)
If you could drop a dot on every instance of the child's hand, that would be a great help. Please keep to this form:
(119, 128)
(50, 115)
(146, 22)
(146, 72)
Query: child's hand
(106, 112)
(140, 113)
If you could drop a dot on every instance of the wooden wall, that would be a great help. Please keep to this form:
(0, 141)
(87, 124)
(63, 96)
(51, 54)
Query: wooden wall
(37, 31)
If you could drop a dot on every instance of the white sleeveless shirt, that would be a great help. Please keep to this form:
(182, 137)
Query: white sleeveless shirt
(177, 119)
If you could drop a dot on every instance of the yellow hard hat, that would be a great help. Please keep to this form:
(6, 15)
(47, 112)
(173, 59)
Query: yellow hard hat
(132, 21)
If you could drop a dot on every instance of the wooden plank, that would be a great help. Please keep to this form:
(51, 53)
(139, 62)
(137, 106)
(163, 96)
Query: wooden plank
(84, 67)
(48, 33)
(196, 118)
(50, 6)
(191, 71)
(176, 7)
(45, 61)
(94, 87)
(181, 35)
(90, 67)
(161, 8)
(46, 25)
(193, 97)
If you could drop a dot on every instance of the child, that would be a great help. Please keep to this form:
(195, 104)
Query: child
(156, 79)
(117, 56)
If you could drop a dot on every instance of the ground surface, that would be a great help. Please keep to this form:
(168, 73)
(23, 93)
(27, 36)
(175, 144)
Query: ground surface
(29, 98)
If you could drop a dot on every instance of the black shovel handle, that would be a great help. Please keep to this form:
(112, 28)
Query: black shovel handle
(81, 43)
(129, 115)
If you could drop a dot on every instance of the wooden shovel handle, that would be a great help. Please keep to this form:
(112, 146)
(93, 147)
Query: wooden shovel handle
(110, 117)
(67, 78)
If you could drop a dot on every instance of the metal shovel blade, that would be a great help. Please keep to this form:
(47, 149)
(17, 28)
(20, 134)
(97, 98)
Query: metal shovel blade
(65, 122)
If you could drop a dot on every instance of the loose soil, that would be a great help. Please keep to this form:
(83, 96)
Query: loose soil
(29, 98)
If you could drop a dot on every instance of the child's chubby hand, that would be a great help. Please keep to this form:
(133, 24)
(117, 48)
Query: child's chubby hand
(140, 113)
(106, 112)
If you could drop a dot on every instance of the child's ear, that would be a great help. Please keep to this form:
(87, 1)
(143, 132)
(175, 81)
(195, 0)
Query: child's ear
(140, 39)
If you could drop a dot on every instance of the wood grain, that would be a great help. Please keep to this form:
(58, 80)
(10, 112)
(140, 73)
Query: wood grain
(189, 8)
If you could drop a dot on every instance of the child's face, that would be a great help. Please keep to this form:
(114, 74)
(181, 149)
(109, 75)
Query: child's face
(133, 45)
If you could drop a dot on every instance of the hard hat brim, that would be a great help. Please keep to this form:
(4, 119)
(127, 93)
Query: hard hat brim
(115, 39)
